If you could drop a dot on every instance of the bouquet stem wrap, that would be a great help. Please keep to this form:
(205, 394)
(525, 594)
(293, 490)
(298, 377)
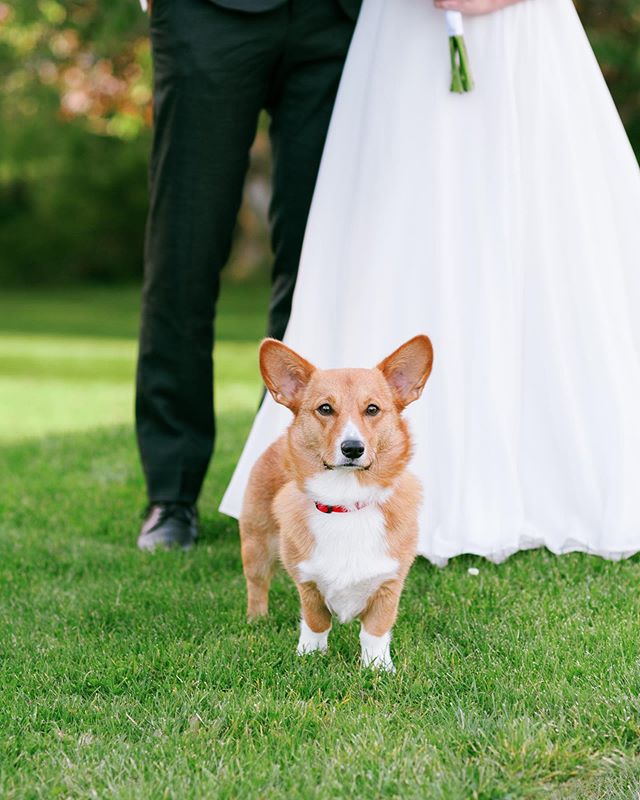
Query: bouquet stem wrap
(461, 78)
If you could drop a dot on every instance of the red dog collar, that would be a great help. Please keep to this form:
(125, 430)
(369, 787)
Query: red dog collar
(338, 509)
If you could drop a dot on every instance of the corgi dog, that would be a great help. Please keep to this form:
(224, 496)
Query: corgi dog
(332, 498)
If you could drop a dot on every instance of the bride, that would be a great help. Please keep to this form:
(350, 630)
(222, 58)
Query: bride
(503, 223)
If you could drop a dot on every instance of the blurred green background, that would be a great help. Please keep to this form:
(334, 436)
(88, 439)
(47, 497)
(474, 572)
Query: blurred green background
(74, 125)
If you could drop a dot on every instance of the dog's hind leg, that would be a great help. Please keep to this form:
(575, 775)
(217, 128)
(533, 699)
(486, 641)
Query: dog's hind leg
(259, 529)
(259, 547)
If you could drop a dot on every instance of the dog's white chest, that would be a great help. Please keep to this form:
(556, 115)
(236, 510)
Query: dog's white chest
(350, 560)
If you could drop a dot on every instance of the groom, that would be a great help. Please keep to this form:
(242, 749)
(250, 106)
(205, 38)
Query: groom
(217, 64)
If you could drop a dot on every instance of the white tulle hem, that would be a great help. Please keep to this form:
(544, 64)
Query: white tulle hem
(527, 541)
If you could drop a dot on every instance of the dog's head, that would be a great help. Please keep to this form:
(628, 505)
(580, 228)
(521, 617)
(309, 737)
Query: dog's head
(348, 421)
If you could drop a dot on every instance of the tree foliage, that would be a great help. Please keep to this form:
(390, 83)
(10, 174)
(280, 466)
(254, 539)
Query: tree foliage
(75, 89)
(74, 122)
(614, 30)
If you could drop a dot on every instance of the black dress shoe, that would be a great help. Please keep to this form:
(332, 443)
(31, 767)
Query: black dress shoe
(169, 525)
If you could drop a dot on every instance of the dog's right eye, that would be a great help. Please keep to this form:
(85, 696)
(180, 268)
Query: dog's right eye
(325, 410)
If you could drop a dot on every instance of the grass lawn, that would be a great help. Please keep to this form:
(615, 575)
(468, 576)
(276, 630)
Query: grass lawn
(134, 676)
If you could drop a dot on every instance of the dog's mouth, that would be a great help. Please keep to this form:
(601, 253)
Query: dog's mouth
(351, 465)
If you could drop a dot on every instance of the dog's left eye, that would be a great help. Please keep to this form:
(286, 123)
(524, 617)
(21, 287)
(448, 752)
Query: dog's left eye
(372, 410)
(325, 410)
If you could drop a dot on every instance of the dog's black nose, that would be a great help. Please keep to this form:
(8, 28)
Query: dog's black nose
(352, 449)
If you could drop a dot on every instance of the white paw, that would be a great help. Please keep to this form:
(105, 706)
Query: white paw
(311, 642)
(383, 663)
(376, 651)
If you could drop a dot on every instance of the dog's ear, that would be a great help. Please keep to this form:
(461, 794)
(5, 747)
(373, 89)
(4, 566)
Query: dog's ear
(408, 368)
(284, 372)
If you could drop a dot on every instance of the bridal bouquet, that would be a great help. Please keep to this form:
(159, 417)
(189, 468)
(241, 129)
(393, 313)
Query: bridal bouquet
(461, 79)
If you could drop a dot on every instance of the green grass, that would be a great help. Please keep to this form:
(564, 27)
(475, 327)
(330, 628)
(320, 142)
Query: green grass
(132, 676)
(67, 358)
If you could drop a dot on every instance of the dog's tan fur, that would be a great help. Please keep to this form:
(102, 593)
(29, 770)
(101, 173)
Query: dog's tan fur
(275, 516)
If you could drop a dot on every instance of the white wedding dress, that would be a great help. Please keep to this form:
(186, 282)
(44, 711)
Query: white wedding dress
(505, 224)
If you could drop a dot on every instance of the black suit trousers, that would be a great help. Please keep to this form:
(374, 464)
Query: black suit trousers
(215, 69)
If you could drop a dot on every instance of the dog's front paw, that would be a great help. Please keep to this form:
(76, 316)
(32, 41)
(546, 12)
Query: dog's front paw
(382, 664)
(312, 642)
(376, 651)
